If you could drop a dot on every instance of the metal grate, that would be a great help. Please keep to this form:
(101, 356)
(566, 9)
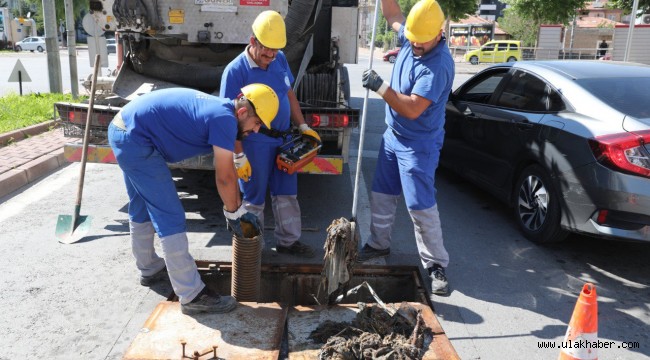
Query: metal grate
(73, 119)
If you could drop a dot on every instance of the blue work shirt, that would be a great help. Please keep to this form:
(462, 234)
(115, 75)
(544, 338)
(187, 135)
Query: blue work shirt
(243, 71)
(430, 76)
(181, 123)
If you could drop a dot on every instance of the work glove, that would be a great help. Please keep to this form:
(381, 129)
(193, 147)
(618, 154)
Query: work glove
(309, 134)
(371, 80)
(242, 223)
(242, 166)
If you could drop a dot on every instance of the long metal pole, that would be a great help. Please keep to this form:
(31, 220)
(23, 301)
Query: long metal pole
(628, 45)
(72, 48)
(363, 118)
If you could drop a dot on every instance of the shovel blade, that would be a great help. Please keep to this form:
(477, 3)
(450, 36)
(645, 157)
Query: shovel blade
(69, 231)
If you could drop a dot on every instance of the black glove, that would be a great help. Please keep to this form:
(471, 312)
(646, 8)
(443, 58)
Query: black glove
(371, 80)
(243, 223)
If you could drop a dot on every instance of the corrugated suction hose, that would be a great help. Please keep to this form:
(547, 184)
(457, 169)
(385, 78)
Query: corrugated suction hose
(247, 264)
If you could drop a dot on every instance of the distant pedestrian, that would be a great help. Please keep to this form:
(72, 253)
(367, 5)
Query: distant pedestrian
(602, 48)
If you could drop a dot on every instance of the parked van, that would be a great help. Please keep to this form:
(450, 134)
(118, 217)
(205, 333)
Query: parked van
(496, 51)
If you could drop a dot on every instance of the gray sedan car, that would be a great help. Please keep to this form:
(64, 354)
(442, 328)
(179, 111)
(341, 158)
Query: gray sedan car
(565, 143)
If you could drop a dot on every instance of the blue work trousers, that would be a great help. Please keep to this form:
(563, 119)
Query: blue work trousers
(149, 184)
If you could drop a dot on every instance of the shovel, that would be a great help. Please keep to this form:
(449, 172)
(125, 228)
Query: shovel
(72, 228)
(343, 235)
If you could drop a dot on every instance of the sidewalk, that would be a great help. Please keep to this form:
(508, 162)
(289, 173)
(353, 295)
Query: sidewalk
(28, 154)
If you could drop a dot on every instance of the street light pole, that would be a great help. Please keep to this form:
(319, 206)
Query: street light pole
(72, 48)
(635, 7)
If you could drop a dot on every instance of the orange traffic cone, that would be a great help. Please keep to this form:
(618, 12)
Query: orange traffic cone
(580, 341)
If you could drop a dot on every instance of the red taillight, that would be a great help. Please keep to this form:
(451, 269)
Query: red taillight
(602, 216)
(329, 120)
(627, 152)
(315, 120)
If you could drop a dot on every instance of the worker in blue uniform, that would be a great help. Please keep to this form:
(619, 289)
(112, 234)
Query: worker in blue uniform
(408, 155)
(262, 61)
(171, 125)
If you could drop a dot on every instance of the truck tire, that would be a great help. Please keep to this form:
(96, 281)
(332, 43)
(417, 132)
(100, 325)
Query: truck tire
(345, 82)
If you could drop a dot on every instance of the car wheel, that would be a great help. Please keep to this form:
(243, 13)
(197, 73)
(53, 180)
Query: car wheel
(40, 49)
(512, 59)
(537, 206)
(18, 48)
(391, 59)
(474, 60)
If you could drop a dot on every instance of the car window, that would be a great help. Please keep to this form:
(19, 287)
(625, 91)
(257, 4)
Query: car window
(527, 92)
(629, 96)
(488, 47)
(514, 47)
(502, 47)
(480, 89)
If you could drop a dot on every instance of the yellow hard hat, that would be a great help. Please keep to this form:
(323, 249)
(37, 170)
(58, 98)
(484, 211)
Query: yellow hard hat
(269, 29)
(264, 100)
(424, 21)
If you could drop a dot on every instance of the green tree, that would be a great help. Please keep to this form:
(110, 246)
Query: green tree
(644, 5)
(453, 9)
(518, 27)
(546, 11)
(457, 9)
(36, 7)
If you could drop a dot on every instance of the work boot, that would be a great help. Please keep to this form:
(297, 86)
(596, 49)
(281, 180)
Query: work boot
(150, 280)
(209, 302)
(368, 252)
(297, 249)
(439, 284)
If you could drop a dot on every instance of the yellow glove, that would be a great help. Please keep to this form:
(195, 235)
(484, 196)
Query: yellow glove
(242, 166)
(307, 132)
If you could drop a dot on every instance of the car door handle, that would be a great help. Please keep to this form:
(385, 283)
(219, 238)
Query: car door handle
(524, 124)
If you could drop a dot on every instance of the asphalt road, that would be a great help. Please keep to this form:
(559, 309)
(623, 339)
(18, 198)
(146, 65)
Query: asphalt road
(508, 297)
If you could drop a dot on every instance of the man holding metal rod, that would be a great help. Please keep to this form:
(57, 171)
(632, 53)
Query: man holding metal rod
(421, 81)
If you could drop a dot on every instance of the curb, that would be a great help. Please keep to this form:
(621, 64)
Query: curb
(20, 134)
(14, 179)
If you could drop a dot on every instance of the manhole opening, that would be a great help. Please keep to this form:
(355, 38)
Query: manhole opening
(299, 284)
